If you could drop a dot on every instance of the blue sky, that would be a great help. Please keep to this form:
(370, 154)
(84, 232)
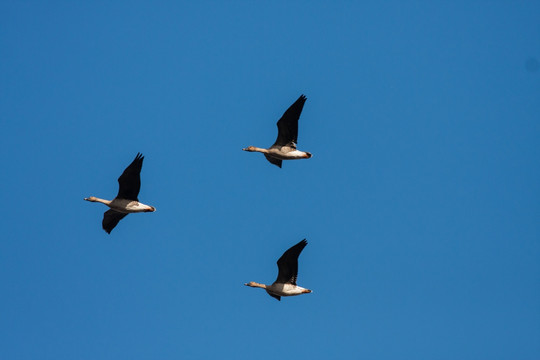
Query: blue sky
(420, 204)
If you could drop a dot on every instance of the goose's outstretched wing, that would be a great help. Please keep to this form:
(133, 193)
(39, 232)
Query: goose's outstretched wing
(130, 180)
(111, 219)
(273, 160)
(288, 264)
(288, 124)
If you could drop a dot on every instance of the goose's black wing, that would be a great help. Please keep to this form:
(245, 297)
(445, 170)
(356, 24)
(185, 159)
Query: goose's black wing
(130, 180)
(273, 160)
(288, 264)
(288, 124)
(275, 296)
(111, 219)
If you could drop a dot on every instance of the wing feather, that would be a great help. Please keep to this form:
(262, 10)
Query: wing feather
(273, 160)
(111, 218)
(288, 124)
(288, 264)
(130, 180)
(275, 296)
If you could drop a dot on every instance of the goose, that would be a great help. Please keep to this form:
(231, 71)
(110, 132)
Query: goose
(126, 201)
(285, 284)
(285, 146)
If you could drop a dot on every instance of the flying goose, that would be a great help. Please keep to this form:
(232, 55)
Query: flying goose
(285, 284)
(285, 146)
(126, 201)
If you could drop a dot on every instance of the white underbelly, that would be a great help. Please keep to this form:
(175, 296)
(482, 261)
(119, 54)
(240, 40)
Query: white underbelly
(128, 206)
(291, 155)
(296, 154)
(285, 289)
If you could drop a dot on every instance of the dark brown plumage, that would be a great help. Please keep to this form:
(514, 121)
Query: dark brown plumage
(288, 264)
(111, 218)
(130, 180)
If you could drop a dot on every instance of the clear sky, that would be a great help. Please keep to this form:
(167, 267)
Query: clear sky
(420, 204)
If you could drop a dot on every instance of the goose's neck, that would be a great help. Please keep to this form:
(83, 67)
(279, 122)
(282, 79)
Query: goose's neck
(256, 149)
(254, 284)
(95, 199)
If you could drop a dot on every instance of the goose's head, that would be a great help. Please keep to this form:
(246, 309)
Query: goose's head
(91, 198)
(250, 148)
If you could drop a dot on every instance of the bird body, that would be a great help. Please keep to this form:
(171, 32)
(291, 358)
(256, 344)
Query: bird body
(124, 206)
(130, 206)
(284, 153)
(286, 290)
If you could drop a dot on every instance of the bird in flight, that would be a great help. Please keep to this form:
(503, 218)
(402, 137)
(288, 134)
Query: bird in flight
(285, 146)
(285, 284)
(126, 201)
